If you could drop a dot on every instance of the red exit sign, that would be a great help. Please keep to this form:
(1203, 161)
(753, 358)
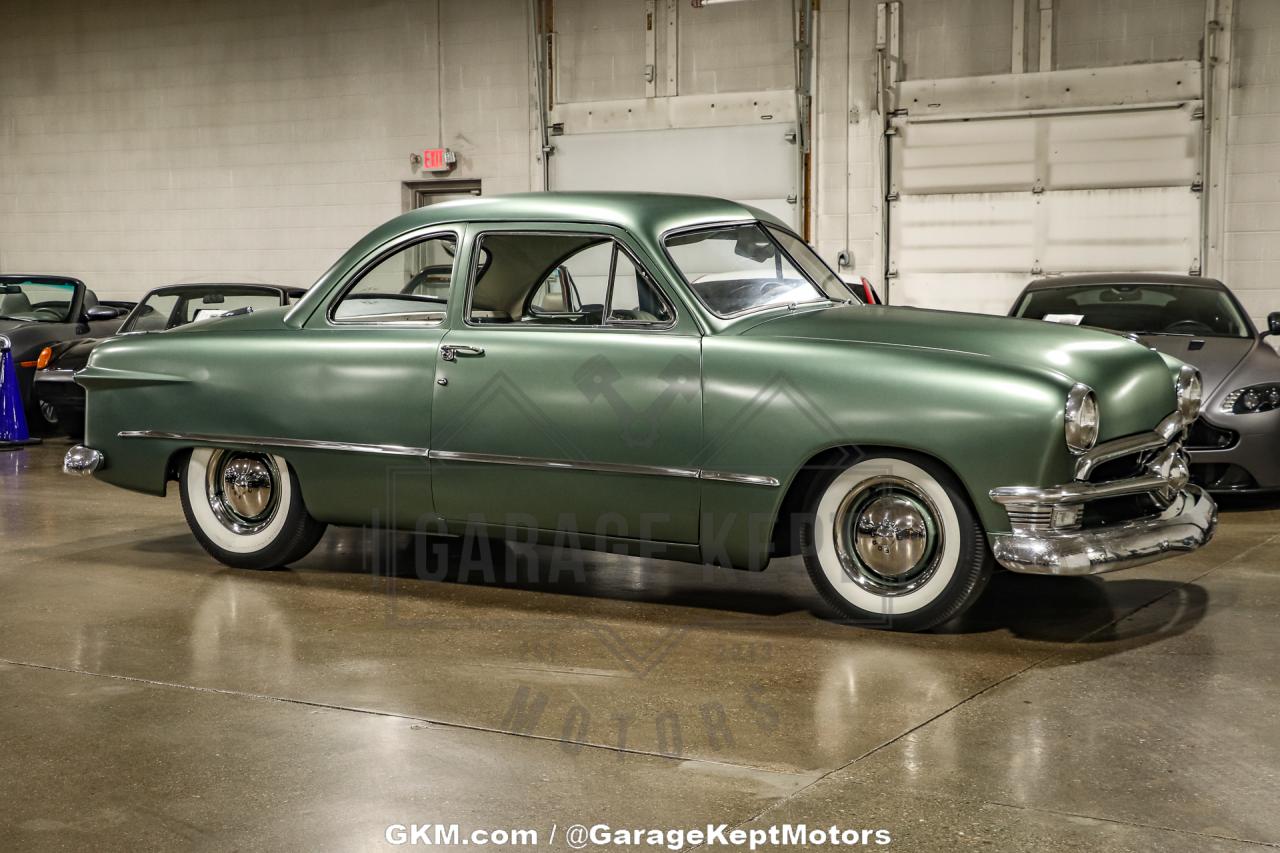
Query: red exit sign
(437, 159)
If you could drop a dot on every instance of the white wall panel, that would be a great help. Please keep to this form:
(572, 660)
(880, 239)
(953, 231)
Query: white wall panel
(975, 251)
(753, 164)
(1159, 147)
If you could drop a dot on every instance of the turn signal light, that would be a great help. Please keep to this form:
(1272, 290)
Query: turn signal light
(46, 355)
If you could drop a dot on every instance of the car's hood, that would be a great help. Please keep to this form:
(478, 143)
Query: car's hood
(7, 327)
(73, 355)
(1215, 358)
(1126, 375)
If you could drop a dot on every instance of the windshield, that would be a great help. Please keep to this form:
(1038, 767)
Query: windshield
(1145, 309)
(169, 309)
(734, 269)
(38, 300)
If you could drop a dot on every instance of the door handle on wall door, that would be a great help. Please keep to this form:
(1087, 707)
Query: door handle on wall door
(451, 353)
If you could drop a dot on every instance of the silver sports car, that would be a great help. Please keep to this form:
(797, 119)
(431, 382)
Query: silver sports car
(1235, 444)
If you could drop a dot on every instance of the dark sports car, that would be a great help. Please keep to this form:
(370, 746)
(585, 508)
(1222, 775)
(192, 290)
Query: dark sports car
(1235, 444)
(161, 309)
(39, 310)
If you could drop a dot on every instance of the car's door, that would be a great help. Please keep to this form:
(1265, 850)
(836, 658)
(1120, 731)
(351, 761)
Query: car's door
(565, 411)
(358, 379)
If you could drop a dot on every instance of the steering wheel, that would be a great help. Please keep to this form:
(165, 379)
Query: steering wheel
(1191, 326)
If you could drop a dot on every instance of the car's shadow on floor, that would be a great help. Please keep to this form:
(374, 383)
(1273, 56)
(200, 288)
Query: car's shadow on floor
(1087, 611)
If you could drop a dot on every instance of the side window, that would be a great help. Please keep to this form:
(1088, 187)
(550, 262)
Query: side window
(411, 285)
(575, 291)
(634, 298)
(561, 279)
(153, 315)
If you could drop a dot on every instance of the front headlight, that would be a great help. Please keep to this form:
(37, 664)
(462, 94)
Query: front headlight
(1255, 398)
(1190, 390)
(1081, 419)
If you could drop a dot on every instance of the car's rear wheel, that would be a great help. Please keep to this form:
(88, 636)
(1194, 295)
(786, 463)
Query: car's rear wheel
(246, 509)
(891, 542)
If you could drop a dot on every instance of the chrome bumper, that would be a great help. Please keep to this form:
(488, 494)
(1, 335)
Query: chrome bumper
(82, 461)
(1188, 523)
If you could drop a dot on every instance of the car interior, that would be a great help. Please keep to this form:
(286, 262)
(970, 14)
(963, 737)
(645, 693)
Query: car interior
(1159, 309)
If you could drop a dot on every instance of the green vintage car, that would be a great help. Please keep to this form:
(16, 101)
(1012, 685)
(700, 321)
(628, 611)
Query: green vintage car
(675, 376)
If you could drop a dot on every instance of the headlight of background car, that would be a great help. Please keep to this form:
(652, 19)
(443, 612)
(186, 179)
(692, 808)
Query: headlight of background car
(1081, 418)
(1190, 390)
(1255, 398)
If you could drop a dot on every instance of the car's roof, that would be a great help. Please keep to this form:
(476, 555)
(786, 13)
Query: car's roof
(37, 276)
(205, 285)
(1093, 279)
(661, 211)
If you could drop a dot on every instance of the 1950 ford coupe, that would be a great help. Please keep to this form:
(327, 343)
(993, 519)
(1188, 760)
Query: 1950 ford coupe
(672, 375)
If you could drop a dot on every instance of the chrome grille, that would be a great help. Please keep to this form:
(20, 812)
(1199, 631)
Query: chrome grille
(1030, 516)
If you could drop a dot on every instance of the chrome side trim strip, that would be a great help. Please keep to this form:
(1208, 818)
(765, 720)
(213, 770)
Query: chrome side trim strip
(606, 467)
(459, 456)
(1159, 437)
(566, 464)
(745, 479)
(301, 443)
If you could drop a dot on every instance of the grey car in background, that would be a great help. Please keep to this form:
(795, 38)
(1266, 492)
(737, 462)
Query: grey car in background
(1235, 444)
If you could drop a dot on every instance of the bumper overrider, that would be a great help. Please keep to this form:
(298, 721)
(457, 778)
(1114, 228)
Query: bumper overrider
(1052, 534)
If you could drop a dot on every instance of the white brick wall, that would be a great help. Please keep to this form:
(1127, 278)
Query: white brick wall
(956, 38)
(1091, 33)
(1252, 244)
(599, 50)
(738, 47)
(143, 143)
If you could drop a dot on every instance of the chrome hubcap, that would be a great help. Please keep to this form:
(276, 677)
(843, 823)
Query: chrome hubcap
(888, 536)
(242, 489)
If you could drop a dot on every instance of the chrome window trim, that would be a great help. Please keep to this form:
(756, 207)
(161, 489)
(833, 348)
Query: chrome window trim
(634, 326)
(379, 255)
(461, 456)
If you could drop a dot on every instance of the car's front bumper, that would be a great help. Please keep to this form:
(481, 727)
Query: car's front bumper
(1077, 528)
(1188, 523)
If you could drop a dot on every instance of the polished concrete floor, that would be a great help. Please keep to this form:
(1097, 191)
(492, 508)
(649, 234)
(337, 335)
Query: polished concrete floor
(152, 699)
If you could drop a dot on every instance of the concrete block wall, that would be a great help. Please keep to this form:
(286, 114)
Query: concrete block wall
(155, 141)
(599, 50)
(1252, 240)
(1093, 33)
(737, 47)
(956, 38)
(846, 138)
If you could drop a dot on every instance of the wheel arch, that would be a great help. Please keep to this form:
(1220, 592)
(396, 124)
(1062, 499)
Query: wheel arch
(785, 538)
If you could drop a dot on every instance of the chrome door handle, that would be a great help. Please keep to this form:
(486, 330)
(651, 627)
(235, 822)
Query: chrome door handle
(451, 353)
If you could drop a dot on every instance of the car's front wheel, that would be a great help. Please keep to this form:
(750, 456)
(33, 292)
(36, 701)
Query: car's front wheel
(246, 509)
(891, 542)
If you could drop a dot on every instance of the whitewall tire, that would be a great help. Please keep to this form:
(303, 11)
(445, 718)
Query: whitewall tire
(246, 508)
(891, 542)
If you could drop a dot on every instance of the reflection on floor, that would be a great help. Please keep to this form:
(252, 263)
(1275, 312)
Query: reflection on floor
(155, 700)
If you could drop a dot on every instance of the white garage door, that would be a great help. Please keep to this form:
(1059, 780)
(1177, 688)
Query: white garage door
(754, 164)
(983, 204)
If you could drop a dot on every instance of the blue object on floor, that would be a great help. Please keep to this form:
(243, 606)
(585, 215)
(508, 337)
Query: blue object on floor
(13, 421)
